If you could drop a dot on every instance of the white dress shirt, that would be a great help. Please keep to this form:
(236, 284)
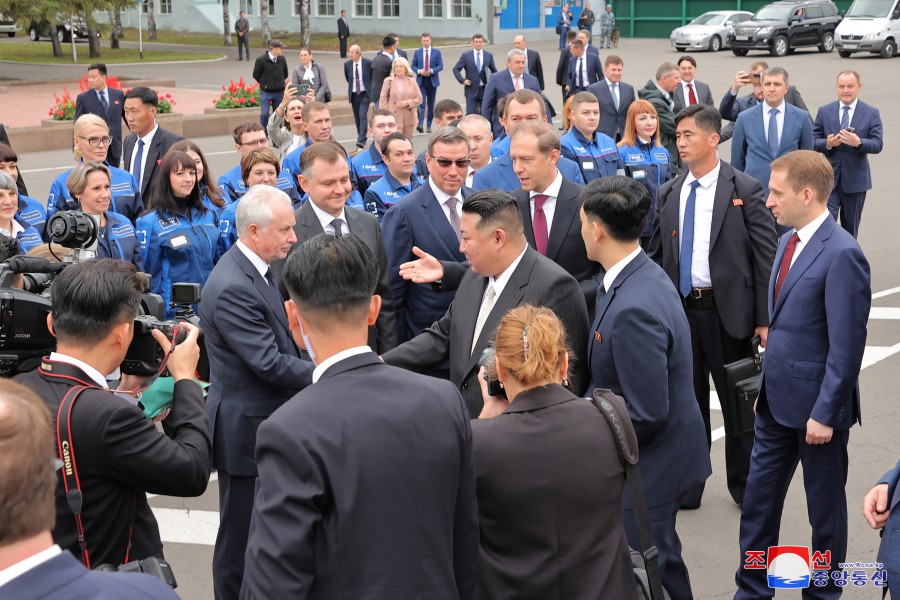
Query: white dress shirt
(521, 81)
(581, 65)
(610, 278)
(479, 59)
(806, 232)
(779, 118)
(23, 566)
(552, 193)
(703, 210)
(336, 358)
(501, 280)
(325, 220)
(442, 198)
(470, 176)
(258, 263)
(852, 106)
(95, 375)
(687, 94)
(147, 139)
(296, 142)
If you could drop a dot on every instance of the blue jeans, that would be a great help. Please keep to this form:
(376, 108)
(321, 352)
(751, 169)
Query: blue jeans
(562, 36)
(267, 99)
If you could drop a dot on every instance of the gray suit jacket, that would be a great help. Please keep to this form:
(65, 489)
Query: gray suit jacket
(383, 336)
(704, 96)
(537, 280)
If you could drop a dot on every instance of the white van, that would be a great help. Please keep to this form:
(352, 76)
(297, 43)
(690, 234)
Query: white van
(869, 26)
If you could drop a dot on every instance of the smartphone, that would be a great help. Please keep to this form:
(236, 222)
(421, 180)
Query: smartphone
(850, 129)
(302, 88)
(756, 78)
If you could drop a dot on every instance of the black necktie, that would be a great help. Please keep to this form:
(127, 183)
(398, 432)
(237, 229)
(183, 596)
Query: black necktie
(337, 228)
(274, 294)
(601, 293)
(104, 103)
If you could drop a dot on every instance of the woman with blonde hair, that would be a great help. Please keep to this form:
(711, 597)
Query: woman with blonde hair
(549, 480)
(91, 142)
(643, 157)
(401, 95)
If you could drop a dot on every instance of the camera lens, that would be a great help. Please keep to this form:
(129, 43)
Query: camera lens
(72, 229)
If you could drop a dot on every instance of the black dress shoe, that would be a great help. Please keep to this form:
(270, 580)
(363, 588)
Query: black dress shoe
(420, 129)
(360, 145)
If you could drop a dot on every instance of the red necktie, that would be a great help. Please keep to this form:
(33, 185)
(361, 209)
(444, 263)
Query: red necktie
(539, 224)
(426, 59)
(785, 264)
(691, 96)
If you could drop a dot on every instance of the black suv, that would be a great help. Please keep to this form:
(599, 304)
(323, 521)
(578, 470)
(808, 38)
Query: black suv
(781, 27)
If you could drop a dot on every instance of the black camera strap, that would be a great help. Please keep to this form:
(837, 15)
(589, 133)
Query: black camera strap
(55, 370)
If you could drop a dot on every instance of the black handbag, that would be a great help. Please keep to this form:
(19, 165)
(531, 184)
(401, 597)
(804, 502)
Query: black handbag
(742, 390)
(644, 564)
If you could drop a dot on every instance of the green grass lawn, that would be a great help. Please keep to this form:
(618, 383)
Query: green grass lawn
(319, 41)
(42, 52)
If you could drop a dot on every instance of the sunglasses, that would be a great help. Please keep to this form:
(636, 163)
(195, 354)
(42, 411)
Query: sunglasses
(462, 163)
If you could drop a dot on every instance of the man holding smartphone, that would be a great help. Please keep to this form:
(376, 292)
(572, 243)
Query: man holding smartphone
(731, 106)
(846, 131)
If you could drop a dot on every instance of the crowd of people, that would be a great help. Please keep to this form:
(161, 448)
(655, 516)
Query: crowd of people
(355, 306)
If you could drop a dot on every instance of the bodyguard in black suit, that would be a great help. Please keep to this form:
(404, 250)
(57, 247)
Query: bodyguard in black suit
(533, 64)
(614, 96)
(120, 456)
(107, 103)
(381, 67)
(366, 479)
(562, 67)
(343, 32)
(324, 212)
(722, 271)
(504, 273)
(549, 204)
(358, 73)
(254, 366)
(148, 142)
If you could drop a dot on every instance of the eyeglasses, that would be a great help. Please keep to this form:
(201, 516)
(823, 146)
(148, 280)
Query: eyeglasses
(462, 163)
(256, 143)
(96, 142)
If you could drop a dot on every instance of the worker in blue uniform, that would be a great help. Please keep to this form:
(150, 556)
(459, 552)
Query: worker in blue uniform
(593, 151)
(400, 178)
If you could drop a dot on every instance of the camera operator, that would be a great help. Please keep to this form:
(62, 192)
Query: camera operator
(32, 567)
(118, 453)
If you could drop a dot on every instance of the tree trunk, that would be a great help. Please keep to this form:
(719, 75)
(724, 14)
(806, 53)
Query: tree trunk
(264, 21)
(93, 40)
(115, 21)
(226, 24)
(304, 23)
(54, 39)
(151, 20)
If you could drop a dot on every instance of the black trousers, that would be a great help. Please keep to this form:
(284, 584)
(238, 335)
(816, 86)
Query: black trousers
(236, 495)
(712, 349)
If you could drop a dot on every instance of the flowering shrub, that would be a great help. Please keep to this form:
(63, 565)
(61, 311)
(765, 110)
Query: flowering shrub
(64, 109)
(238, 95)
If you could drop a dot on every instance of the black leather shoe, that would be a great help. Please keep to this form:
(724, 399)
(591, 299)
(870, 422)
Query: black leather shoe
(420, 129)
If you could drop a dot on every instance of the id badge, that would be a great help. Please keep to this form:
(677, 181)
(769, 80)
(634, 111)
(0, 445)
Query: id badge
(588, 165)
(639, 175)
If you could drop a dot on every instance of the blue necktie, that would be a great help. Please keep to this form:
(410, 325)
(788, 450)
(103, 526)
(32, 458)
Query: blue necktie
(478, 62)
(104, 103)
(687, 242)
(137, 162)
(845, 119)
(773, 131)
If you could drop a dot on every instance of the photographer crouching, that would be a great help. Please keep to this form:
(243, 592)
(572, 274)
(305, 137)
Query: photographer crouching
(112, 454)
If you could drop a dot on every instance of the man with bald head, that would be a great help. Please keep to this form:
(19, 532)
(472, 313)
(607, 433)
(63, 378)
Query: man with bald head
(533, 64)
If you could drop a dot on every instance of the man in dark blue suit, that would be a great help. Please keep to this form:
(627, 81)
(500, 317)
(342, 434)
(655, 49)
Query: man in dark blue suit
(427, 64)
(428, 218)
(366, 478)
(819, 300)
(31, 565)
(584, 69)
(769, 130)
(107, 103)
(503, 83)
(640, 348)
(731, 106)
(358, 73)
(615, 96)
(523, 105)
(881, 508)
(477, 63)
(254, 365)
(846, 132)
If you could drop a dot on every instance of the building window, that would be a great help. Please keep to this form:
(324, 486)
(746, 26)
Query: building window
(165, 7)
(324, 8)
(390, 8)
(364, 8)
(460, 9)
(432, 9)
(271, 8)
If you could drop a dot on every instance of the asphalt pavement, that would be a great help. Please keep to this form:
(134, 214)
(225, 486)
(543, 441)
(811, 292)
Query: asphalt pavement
(710, 534)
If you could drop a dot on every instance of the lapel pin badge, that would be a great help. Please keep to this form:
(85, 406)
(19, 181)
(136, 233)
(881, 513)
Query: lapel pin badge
(737, 202)
(597, 337)
(674, 233)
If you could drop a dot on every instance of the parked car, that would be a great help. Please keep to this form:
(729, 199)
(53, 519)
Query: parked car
(869, 26)
(41, 29)
(781, 27)
(9, 26)
(709, 31)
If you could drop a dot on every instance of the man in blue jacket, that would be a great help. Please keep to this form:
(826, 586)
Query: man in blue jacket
(427, 64)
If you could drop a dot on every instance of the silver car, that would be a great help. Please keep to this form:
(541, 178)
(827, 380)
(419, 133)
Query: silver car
(709, 31)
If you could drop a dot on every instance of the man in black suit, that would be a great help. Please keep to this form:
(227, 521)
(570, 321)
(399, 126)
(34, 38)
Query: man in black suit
(119, 450)
(254, 365)
(504, 273)
(343, 32)
(31, 565)
(148, 142)
(389, 510)
(720, 260)
(533, 64)
(20, 183)
(381, 67)
(549, 204)
(614, 96)
(562, 67)
(584, 68)
(107, 103)
(322, 169)
(691, 91)
(358, 73)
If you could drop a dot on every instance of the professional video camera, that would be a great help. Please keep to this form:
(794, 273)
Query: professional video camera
(151, 566)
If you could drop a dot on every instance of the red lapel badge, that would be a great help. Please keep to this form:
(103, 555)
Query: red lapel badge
(158, 160)
(597, 337)
(674, 233)
(115, 101)
(737, 202)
